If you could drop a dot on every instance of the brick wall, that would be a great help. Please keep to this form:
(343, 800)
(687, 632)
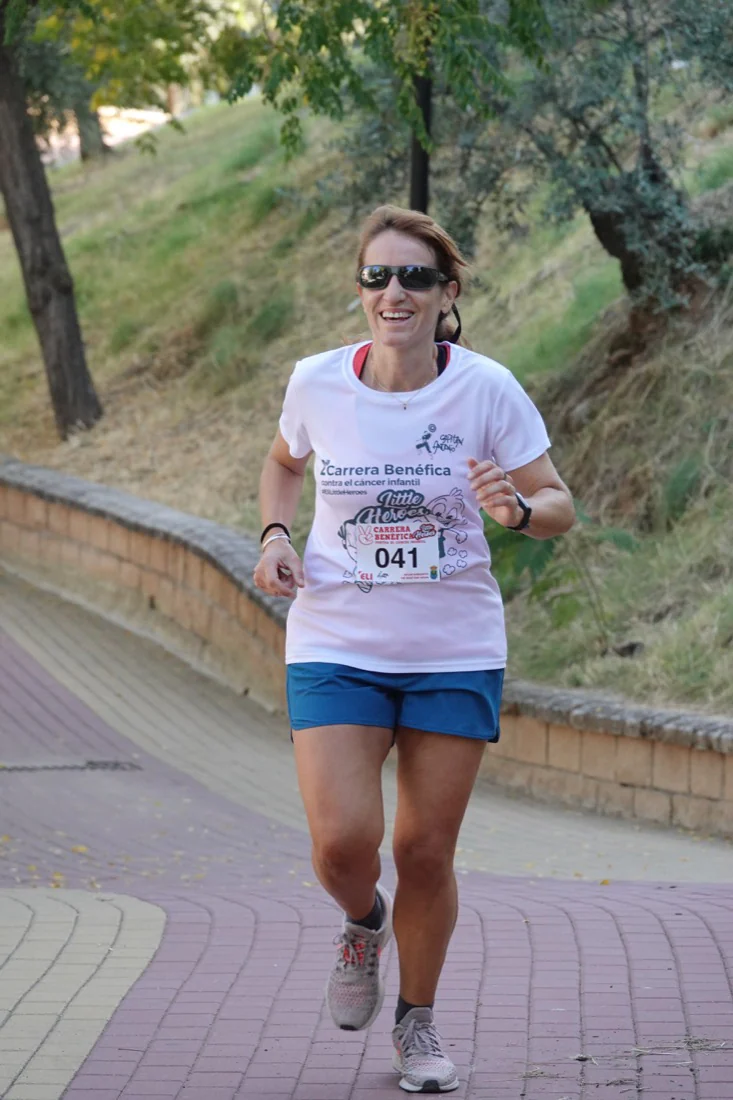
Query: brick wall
(141, 568)
(614, 773)
(188, 583)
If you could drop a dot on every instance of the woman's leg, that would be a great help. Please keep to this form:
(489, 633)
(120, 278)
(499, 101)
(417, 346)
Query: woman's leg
(435, 777)
(340, 775)
(340, 779)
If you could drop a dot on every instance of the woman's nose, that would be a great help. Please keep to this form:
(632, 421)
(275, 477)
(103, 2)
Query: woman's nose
(393, 288)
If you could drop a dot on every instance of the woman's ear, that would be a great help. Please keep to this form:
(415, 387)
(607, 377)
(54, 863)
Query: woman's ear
(451, 291)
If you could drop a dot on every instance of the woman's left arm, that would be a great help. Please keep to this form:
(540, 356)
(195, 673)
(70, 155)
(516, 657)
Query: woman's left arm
(540, 486)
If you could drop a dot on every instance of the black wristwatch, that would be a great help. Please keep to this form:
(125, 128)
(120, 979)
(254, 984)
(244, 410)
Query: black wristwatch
(524, 521)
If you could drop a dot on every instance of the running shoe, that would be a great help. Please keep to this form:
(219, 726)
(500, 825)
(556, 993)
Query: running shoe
(418, 1055)
(355, 989)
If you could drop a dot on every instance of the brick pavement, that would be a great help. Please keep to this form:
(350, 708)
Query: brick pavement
(554, 987)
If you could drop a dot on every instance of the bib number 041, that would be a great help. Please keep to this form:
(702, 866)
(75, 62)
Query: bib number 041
(399, 556)
(389, 553)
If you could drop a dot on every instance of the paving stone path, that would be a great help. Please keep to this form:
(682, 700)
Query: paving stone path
(162, 935)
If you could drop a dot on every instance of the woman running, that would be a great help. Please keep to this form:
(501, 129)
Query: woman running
(397, 632)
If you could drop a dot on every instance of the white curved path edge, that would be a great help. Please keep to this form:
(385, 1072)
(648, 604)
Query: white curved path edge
(67, 958)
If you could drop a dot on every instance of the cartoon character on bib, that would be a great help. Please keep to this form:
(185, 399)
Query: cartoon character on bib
(401, 539)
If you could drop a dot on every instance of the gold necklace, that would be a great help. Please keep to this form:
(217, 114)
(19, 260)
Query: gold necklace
(402, 401)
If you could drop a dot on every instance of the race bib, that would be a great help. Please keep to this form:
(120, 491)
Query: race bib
(397, 553)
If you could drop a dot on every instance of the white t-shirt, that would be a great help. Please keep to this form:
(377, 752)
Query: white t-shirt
(377, 464)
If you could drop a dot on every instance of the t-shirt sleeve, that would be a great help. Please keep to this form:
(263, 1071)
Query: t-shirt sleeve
(293, 427)
(518, 434)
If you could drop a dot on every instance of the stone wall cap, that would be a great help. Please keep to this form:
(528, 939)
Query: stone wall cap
(236, 553)
(233, 552)
(603, 712)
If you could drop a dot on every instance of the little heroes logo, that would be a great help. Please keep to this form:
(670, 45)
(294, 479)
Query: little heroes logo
(405, 514)
(443, 442)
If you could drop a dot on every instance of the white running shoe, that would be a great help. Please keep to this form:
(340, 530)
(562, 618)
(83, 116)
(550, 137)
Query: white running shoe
(355, 989)
(419, 1056)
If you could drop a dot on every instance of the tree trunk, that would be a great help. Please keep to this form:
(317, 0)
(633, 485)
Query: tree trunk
(609, 229)
(660, 225)
(48, 283)
(419, 157)
(91, 135)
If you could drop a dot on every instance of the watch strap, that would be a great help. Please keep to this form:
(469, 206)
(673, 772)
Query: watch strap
(527, 514)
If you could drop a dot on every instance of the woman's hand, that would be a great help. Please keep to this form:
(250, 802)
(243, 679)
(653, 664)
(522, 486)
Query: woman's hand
(279, 572)
(495, 492)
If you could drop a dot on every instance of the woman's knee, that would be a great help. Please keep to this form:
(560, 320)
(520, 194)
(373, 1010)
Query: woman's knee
(422, 857)
(339, 853)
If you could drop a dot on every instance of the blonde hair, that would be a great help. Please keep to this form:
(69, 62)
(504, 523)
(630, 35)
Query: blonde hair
(423, 228)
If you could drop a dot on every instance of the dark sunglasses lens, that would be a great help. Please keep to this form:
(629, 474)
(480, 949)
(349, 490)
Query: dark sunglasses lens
(374, 277)
(416, 277)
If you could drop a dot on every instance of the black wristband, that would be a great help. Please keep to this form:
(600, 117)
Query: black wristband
(526, 514)
(270, 527)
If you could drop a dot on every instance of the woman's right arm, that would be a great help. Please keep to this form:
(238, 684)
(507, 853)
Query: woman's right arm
(280, 571)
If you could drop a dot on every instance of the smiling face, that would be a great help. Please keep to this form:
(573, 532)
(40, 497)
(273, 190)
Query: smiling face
(399, 317)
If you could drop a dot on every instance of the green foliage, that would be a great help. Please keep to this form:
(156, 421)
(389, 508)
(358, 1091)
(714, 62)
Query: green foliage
(54, 82)
(308, 53)
(227, 364)
(123, 334)
(234, 341)
(265, 197)
(555, 572)
(252, 150)
(552, 342)
(713, 172)
(594, 133)
(273, 318)
(597, 137)
(18, 320)
(217, 199)
(680, 488)
(221, 304)
(235, 344)
(131, 50)
(719, 118)
(714, 244)
(122, 51)
(174, 240)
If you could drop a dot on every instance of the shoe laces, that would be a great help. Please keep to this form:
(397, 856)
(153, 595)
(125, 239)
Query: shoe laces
(357, 950)
(421, 1037)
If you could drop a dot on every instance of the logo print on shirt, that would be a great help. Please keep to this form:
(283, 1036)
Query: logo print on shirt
(424, 440)
(444, 442)
(443, 512)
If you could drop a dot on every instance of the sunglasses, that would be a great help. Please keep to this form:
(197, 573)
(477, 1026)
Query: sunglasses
(410, 276)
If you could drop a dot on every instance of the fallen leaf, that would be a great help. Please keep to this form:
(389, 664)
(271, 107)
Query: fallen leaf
(80, 848)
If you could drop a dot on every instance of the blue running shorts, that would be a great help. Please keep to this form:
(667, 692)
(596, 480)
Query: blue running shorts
(465, 704)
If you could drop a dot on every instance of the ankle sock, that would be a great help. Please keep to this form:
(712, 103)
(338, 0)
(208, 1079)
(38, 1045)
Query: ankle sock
(403, 1007)
(373, 920)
